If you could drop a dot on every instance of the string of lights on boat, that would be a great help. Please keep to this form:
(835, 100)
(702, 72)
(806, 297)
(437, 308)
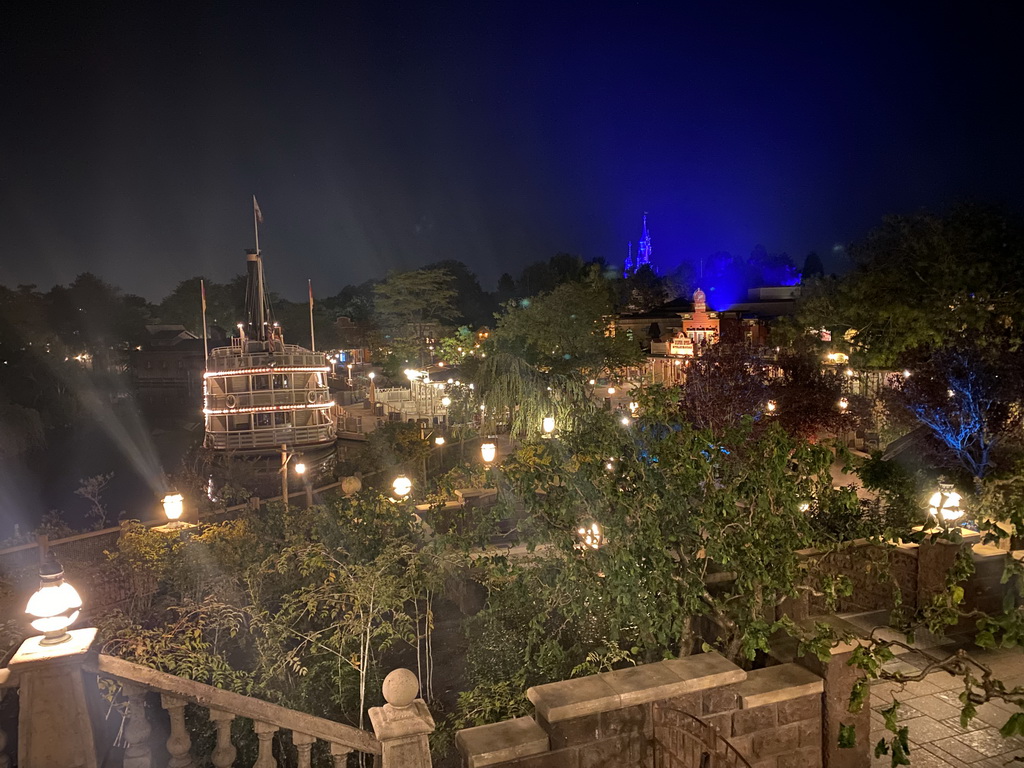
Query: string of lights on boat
(267, 370)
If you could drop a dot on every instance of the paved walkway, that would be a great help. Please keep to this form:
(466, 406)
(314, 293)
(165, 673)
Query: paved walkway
(931, 711)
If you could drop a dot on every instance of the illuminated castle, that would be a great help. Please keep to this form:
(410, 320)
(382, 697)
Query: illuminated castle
(643, 253)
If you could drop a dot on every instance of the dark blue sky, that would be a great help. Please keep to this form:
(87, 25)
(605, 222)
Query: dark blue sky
(384, 135)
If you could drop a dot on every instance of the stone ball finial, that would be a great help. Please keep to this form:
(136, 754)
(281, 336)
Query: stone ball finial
(351, 484)
(400, 687)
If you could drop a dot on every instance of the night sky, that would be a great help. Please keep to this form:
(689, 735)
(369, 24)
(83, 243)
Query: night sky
(383, 135)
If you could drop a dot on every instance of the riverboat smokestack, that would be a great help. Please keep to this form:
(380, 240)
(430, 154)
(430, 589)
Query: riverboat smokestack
(255, 308)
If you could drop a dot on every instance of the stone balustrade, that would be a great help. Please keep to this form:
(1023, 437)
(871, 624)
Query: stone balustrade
(58, 696)
(223, 706)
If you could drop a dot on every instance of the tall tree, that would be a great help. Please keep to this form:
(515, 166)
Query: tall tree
(409, 307)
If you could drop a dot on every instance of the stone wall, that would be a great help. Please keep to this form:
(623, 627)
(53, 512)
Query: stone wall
(662, 714)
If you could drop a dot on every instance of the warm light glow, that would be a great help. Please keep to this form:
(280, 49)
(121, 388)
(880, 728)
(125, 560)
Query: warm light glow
(446, 401)
(54, 606)
(945, 503)
(625, 421)
(268, 369)
(300, 468)
(849, 372)
(591, 537)
(611, 390)
(843, 404)
(906, 373)
(593, 382)
(439, 440)
(267, 408)
(771, 406)
(174, 505)
(804, 506)
(548, 424)
(402, 486)
(633, 406)
(488, 451)
(372, 375)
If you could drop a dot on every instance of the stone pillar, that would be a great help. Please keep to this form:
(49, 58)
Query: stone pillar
(403, 724)
(839, 679)
(934, 559)
(54, 725)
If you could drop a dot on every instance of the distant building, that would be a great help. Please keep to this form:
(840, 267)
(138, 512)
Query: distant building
(643, 253)
(167, 370)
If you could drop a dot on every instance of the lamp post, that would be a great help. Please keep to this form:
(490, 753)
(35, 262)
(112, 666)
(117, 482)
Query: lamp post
(307, 485)
(287, 456)
(349, 366)
(55, 606)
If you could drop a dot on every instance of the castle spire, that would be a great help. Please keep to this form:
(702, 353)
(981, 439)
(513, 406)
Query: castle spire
(643, 251)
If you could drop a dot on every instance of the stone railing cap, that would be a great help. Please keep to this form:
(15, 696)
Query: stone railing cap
(779, 683)
(569, 699)
(500, 742)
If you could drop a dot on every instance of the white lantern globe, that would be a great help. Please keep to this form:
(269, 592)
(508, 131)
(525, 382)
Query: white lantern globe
(55, 606)
(402, 486)
(488, 451)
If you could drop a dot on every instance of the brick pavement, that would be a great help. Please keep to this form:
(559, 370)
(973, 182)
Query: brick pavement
(931, 711)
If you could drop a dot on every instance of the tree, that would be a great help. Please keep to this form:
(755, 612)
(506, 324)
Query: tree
(543, 352)
(413, 306)
(813, 268)
(923, 282)
(643, 290)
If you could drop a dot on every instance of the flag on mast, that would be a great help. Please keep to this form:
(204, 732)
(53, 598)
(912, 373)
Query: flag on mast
(312, 334)
(256, 210)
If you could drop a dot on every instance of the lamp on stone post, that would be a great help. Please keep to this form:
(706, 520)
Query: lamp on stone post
(55, 606)
(944, 505)
(174, 507)
(54, 723)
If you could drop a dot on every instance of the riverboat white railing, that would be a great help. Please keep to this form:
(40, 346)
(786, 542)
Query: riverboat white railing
(272, 437)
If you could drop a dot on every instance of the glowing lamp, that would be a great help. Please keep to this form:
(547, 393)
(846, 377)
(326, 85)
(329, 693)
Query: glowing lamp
(771, 406)
(591, 537)
(372, 375)
(174, 505)
(446, 401)
(944, 505)
(300, 468)
(439, 440)
(611, 390)
(55, 606)
(633, 406)
(843, 404)
(625, 421)
(548, 425)
(906, 373)
(488, 451)
(402, 486)
(593, 382)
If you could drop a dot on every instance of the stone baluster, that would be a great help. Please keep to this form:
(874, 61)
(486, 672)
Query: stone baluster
(339, 755)
(137, 730)
(224, 753)
(265, 733)
(304, 746)
(178, 743)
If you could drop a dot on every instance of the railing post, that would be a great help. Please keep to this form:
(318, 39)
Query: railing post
(339, 755)
(52, 693)
(403, 724)
(304, 746)
(265, 733)
(179, 742)
(136, 732)
(224, 753)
